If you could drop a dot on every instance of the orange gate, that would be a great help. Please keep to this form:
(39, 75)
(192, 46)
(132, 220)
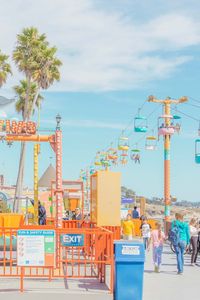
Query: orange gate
(91, 260)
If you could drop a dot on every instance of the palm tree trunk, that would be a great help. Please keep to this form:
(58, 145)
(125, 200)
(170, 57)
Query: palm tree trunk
(20, 176)
(26, 105)
(20, 180)
(34, 103)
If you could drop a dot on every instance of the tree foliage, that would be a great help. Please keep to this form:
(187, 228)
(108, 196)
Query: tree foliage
(20, 91)
(5, 68)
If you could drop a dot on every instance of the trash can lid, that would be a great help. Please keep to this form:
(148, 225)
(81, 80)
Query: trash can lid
(129, 251)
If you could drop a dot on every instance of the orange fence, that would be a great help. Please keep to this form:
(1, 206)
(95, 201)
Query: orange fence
(137, 224)
(92, 260)
(116, 230)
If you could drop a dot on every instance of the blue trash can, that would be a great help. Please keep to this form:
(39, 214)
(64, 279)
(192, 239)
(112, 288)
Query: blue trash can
(129, 270)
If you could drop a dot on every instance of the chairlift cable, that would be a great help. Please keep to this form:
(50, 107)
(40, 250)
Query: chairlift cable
(187, 115)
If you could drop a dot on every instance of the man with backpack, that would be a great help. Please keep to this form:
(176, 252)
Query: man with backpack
(179, 235)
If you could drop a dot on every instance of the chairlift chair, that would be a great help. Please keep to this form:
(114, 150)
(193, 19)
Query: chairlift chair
(162, 128)
(151, 143)
(177, 126)
(135, 154)
(123, 143)
(123, 160)
(112, 154)
(140, 124)
(197, 151)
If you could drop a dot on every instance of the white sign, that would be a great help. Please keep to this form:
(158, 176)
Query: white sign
(35, 248)
(130, 250)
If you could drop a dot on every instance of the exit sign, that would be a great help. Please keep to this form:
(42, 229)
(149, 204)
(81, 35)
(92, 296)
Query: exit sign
(72, 240)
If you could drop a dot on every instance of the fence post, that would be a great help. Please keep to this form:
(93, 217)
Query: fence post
(22, 280)
(112, 264)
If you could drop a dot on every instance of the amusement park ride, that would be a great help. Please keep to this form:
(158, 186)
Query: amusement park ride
(167, 129)
(12, 131)
(167, 126)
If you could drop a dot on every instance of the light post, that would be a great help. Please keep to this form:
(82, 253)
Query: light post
(59, 189)
(58, 121)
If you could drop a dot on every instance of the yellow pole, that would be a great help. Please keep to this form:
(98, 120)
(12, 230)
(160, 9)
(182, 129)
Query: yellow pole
(36, 152)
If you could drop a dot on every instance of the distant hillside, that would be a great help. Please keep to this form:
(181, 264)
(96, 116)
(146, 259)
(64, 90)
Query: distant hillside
(129, 193)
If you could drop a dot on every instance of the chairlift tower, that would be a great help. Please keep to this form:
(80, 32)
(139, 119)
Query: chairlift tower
(167, 131)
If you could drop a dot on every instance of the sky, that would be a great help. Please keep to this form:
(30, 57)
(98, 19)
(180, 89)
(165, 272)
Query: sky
(115, 54)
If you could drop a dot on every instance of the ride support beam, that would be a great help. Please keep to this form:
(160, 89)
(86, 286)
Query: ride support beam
(29, 138)
(59, 188)
(167, 140)
(36, 153)
(167, 196)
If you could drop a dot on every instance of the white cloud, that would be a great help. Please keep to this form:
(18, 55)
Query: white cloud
(103, 49)
(86, 124)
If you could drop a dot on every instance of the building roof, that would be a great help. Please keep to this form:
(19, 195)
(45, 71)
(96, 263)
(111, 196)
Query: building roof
(47, 177)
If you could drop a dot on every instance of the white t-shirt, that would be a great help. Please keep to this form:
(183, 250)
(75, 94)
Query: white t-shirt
(193, 231)
(146, 231)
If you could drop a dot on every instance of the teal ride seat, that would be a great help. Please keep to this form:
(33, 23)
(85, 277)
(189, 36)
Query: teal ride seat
(140, 124)
(175, 117)
(197, 151)
(197, 158)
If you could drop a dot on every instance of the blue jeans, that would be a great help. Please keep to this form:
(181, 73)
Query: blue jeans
(157, 255)
(180, 249)
(146, 242)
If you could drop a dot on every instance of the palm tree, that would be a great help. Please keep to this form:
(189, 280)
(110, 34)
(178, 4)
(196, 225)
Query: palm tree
(5, 68)
(48, 71)
(36, 60)
(20, 91)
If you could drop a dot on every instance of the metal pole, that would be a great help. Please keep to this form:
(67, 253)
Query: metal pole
(167, 164)
(59, 190)
(167, 111)
(36, 152)
(26, 217)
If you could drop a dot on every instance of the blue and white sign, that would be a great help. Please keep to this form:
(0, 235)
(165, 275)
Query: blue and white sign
(35, 248)
(126, 200)
(72, 240)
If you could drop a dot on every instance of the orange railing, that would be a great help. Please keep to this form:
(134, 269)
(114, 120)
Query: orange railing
(87, 261)
(137, 225)
(116, 230)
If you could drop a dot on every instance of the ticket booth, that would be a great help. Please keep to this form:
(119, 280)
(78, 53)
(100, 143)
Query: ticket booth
(106, 198)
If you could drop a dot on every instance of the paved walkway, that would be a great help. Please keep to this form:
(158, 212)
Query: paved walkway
(166, 285)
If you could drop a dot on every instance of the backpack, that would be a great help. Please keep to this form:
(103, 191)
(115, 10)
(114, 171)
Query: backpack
(174, 235)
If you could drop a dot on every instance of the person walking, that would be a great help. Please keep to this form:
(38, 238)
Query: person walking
(42, 214)
(135, 213)
(180, 237)
(157, 239)
(128, 229)
(78, 215)
(194, 233)
(146, 232)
